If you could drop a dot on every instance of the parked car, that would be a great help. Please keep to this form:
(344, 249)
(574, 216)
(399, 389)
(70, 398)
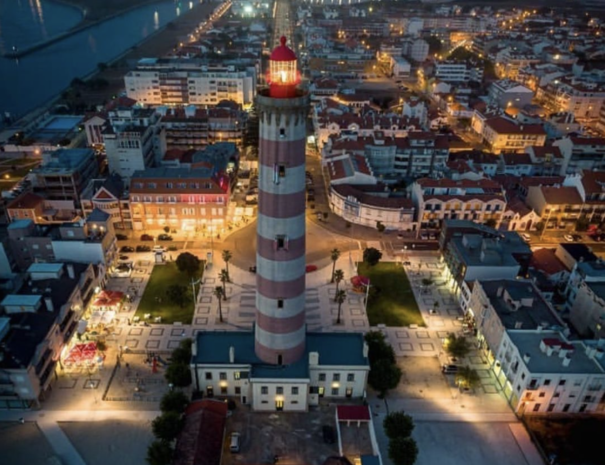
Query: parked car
(576, 237)
(234, 444)
(568, 238)
(328, 434)
(126, 249)
(310, 268)
(121, 237)
(158, 248)
(143, 248)
(124, 258)
(449, 369)
(146, 237)
(164, 237)
(526, 237)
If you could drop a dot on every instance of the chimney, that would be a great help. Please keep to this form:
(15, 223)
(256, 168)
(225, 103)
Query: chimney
(526, 358)
(49, 304)
(366, 350)
(231, 354)
(566, 361)
(313, 358)
(70, 271)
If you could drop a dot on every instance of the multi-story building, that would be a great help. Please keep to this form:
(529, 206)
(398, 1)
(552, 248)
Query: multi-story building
(181, 198)
(134, 140)
(455, 71)
(546, 160)
(416, 49)
(40, 210)
(176, 81)
(506, 93)
(65, 173)
(585, 292)
(582, 153)
(437, 200)
(110, 196)
(559, 207)
(582, 98)
(503, 135)
(37, 322)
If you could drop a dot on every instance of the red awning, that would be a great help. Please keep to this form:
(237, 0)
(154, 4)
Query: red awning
(108, 298)
(353, 413)
(359, 281)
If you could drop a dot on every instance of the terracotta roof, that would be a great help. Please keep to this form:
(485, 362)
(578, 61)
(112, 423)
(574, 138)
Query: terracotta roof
(483, 183)
(593, 182)
(541, 152)
(529, 181)
(545, 260)
(588, 140)
(353, 412)
(504, 126)
(26, 201)
(511, 159)
(562, 195)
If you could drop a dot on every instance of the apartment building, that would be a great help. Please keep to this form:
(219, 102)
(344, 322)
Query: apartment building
(415, 49)
(582, 98)
(547, 160)
(558, 206)
(582, 153)
(585, 298)
(177, 81)
(37, 322)
(109, 195)
(186, 199)
(437, 200)
(40, 210)
(134, 140)
(503, 135)
(64, 174)
(506, 93)
(455, 71)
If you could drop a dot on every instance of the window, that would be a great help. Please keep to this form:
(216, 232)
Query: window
(264, 402)
(334, 391)
(566, 407)
(351, 377)
(523, 376)
(336, 377)
(282, 171)
(294, 390)
(547, 382)
(542, 394)
(281, 242)
(238, 390)
(208, 375)
(223, 389)
(236, 375)
(550, 408)
(562, 382)
(222, 376)
(264, 390)
(279, 390)
(537, 407)
(295, 402)
(322, 376)
(282, 133)
(280, 303)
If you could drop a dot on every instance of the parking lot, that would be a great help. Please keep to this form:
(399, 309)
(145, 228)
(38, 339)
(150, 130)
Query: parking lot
(294, 437)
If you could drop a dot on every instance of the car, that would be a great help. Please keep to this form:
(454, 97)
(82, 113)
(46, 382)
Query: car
(124, 258)
(449, 369)
(310, 268)
(143, 248)
(568, 238)
(424, 236)
(126, 249)
(328, 434)
(146, 237)
(158, 248)
(234, 444)
(576, 237)
(526, 237)
(398, 81)
(164, 237)
(432, 236)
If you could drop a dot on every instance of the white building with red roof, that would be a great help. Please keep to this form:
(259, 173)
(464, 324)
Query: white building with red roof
(504, 135)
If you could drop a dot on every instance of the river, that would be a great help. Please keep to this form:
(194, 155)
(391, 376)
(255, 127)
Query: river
(33, 80)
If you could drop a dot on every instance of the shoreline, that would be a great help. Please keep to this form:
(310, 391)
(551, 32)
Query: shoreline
(81, 26)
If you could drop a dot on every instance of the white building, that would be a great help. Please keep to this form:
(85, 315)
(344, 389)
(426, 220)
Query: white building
(506, 93)
(417, 49)
(457, 71)
(335, 365)
(159, 81)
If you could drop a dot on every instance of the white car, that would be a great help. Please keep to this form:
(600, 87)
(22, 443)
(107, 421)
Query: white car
(568, 238)
(526, 237)
(159, 248)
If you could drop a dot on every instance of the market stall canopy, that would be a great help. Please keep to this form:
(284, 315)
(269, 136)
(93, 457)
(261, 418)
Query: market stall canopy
(103, 318)
(360, 281)
(82, 324)
(82, 353)
(108, 298)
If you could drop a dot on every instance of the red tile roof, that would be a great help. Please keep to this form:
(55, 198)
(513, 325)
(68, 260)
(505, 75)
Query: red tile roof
(545, 260)
(563, 195)
(593, 182)
(353, 412)
(541, 152)
(26, 201)
(504, 126)
(588, 140)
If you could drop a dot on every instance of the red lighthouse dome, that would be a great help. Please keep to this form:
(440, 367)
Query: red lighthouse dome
(283, 74)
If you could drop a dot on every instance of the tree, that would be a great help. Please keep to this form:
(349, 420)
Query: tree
(403, 451)
(340, 298)
(372, 256)
(457, 346)
(227, 256)
(384, 375)
(182, 354)
(380, 227)
(540, 226)
(334, 256)
(218, 293)
(178, 374)
(337, 277)
(188, 263)
(159, 453)
(174, 401)
(177, 293)
(490, 223)
(398, 425)
(223, 277)
(167, 426)
(468, 377)
(166, 229)
(378, 348)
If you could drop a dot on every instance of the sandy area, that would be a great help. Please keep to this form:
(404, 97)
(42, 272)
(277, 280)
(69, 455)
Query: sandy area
(16, 442)
(110, 442)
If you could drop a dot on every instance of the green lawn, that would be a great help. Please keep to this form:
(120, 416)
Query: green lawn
(162, 277)
(394, 304)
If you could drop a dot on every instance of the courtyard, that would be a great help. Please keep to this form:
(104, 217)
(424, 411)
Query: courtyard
(393, 302)
(156, 302)
(294, 437)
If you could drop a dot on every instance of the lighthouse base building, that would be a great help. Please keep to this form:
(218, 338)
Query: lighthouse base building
(335, 365)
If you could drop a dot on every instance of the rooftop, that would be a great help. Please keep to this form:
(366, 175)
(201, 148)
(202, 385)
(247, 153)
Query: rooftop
(477, 250)
(579, 252)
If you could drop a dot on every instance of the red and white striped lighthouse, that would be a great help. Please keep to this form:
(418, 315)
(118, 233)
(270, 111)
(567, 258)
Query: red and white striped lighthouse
(280, 256)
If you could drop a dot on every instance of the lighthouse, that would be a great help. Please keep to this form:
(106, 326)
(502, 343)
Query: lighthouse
(279, 334)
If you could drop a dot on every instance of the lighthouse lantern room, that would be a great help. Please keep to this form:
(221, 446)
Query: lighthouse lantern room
(283, 73)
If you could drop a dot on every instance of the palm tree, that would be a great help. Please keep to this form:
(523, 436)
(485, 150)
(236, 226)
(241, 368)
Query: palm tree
(223, 277)
(334, 256)
(219, 294)
(227, 256)
(339, 275)
(340, 298)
